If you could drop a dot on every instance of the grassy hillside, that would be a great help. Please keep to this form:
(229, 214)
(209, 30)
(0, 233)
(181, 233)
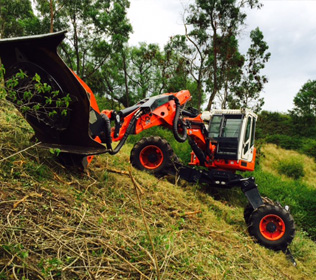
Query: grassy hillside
(289, 177)
(274, 156)
(59, 224)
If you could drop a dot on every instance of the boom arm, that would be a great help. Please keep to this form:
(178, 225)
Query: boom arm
(83, 130)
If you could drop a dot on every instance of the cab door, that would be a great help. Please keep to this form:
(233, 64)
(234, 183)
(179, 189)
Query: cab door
(247, 148)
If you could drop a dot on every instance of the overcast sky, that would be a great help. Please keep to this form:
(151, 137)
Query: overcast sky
(289, 27)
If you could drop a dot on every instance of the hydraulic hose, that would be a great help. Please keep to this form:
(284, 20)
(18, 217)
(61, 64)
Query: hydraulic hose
(127, 133)
(176, 122)
(198, 152)
(107, 131)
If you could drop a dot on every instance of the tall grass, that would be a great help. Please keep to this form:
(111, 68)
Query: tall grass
(290, 178)
(299, 196)
(274, 160)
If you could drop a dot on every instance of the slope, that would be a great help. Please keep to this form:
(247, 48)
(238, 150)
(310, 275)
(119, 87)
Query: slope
(56, 223)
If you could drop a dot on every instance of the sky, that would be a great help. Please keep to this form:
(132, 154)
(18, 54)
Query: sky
(288, 26)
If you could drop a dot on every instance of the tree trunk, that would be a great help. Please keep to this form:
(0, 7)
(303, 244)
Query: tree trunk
(125, 80)
(224, 102)
(51, 30)
(215, 82)
(76, 44)
(199, 92)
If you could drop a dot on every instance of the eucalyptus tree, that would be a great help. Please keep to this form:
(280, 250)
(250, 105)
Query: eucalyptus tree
(246, 91)
(97, 30)
(143, 73)
(212, 28)
(52, 14)
(112, 81)
(17, 18)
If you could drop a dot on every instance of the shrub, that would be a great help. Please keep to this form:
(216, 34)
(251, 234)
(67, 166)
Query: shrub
(291, 167)
(285, 141)
(309, 147)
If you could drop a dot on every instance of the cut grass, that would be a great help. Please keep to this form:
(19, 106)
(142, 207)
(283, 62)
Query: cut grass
(56, 224)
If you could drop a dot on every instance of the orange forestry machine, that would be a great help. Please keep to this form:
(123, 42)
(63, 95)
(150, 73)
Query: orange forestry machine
(221, 140)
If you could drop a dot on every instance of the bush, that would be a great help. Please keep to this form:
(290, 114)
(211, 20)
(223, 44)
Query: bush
(273, 122)
(309, 147)
(285, 141)
(291, 167)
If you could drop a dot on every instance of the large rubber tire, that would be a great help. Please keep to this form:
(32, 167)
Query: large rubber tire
(272, 226)
(247, 213)
(249, 209)
(153, 154)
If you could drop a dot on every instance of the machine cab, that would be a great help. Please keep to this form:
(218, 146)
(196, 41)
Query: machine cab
(233, 133)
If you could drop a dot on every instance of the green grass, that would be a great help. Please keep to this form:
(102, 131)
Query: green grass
(300, 197)
(59, 224)
(292, 168)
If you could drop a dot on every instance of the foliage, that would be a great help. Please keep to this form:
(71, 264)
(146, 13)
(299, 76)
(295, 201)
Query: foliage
(142, 71)
(210, 47)
(305, 100)
(287, 131)
(133, 74)
(246, 93)
(304, 111)
(97, 30)
(308, 147)
(284, 141)
(17, 18)
(206, 59)
(37, 99)
(273, 123)
(291, 167)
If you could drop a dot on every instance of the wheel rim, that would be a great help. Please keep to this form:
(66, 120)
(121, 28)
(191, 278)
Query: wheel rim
(151, 157)
(272, 227)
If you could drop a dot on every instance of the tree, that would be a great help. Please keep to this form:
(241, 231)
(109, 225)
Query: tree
(98, 30)
(112, 80)
(211, 29)
(304, 111)
(194, 59)
(52, 12)
(305, 100)
(143, 73)
(246, 92)
(17, 18)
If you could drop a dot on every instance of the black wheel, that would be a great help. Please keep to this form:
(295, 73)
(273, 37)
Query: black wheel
(249, 209)
(272, 226)
(247, 213)
(153, 154)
